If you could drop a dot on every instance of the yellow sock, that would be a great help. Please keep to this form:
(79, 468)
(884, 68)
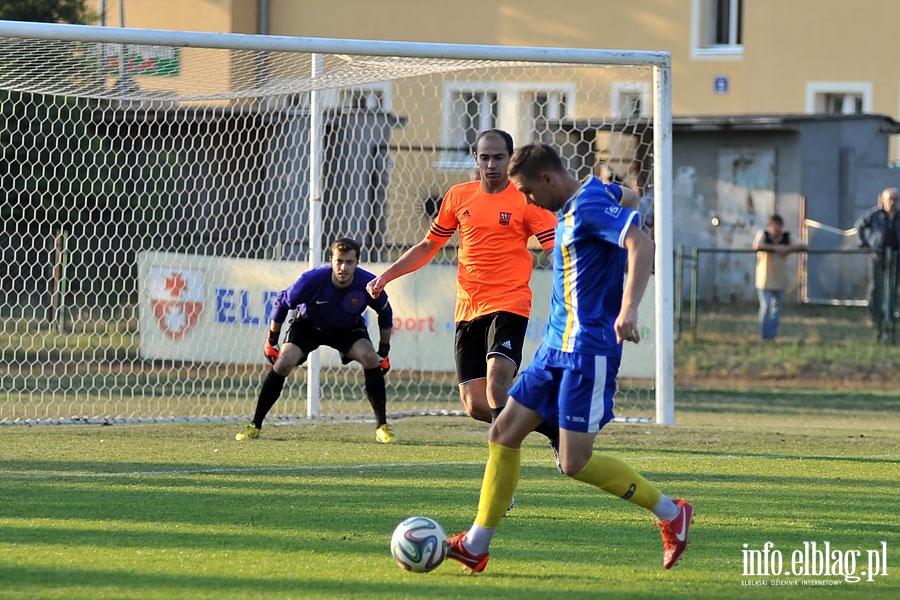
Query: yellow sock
(620, 479)
(501, 475)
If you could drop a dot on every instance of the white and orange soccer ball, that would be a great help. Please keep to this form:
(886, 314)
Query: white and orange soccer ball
(419, 544)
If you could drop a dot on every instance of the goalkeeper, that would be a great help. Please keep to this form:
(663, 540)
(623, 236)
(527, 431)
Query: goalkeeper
(329, 303)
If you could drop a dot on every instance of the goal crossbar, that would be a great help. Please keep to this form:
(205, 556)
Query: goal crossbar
(281, 43)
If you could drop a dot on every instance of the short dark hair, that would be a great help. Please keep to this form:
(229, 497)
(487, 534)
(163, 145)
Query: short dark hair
(776, 218)
(507, 139)
(345, 245)
(530, 160)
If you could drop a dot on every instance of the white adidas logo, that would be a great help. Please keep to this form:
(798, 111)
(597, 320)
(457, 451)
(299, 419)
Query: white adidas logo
(507, 345)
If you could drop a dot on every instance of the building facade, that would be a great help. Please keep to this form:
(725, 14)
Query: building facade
(728, 56)
(729, 59)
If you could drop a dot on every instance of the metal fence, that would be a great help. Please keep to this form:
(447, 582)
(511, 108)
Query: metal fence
(827, 277)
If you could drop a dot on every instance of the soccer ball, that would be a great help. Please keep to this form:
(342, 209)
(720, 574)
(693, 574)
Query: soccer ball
(419, 544)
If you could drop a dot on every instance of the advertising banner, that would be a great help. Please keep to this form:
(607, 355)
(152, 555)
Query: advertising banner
(210, 309)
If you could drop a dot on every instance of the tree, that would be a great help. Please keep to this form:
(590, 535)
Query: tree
(47, 11)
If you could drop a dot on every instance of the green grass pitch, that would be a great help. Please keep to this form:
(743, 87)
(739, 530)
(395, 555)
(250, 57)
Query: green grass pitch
(183, 511)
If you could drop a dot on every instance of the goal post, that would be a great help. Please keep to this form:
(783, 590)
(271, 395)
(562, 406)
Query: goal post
(163, 186)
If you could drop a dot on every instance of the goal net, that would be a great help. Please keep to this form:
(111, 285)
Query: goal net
(162, 187)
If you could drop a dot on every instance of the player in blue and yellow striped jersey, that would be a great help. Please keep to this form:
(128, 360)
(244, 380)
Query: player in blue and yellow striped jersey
(572, 379)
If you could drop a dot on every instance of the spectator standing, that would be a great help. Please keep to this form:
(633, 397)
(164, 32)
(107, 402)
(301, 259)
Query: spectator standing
(878, 230)
(772, 246)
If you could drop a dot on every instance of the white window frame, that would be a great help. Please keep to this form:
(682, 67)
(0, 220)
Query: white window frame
(815, 89)
(330, 98)
(701, 46)
(630, 88)
(511, 111)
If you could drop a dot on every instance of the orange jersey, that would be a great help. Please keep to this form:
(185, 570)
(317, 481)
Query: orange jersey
(494, 261)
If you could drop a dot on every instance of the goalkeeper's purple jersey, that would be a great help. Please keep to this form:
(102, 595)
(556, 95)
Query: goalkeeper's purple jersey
(589, 270)
(327, 308)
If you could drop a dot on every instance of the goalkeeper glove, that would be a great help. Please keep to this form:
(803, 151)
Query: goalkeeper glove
(385, 363)
(271, 349)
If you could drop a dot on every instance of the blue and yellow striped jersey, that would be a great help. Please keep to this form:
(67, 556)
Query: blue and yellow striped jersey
(589, 270)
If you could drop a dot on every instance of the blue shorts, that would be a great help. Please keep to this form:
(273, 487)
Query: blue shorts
(574, 389)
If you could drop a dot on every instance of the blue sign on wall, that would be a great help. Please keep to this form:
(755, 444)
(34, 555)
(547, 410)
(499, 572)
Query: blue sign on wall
(720, 84)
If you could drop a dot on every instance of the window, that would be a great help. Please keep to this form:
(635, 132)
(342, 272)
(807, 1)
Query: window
(630, 99)
(716, 28)
(375, 97)
(361, 98)
(471, 112)
(841, 104)
(725, 23)
(521, 109)
(838, 98)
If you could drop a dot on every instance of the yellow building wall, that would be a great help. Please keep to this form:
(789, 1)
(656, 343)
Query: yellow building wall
(641, 25)
(215, 16)
(181, 15)
(789, 46)
(786, 43)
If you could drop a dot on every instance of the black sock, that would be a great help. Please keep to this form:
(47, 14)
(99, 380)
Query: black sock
(268, 395)
(495, 412)
(376, 394)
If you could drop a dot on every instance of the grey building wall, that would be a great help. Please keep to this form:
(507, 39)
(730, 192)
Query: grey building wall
(827, 169)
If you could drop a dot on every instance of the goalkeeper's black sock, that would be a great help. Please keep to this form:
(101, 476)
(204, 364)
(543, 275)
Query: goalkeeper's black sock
(376, 394)
(550, 429)
(268, 396)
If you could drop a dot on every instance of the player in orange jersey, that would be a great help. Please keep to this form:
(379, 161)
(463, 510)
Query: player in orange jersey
(493, 298)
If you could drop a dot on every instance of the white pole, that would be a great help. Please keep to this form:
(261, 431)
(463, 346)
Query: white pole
(122, 73)
(315, 220)
(664, 232)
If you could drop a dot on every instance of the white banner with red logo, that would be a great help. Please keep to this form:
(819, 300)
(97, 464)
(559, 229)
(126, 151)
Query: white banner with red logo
(176, 299)
(210, 309)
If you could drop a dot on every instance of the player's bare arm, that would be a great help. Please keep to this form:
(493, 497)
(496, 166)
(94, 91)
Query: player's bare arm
(640, 262)
(630, 199)
(412, 260)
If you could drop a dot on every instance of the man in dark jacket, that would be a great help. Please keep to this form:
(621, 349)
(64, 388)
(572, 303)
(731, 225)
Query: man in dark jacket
(879, 231)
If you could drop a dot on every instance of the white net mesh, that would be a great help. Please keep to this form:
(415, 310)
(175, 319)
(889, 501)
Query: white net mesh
(156, 197)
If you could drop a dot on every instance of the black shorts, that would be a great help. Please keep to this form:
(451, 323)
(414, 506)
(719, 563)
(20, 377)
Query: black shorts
(497, 333)
(306, 337)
